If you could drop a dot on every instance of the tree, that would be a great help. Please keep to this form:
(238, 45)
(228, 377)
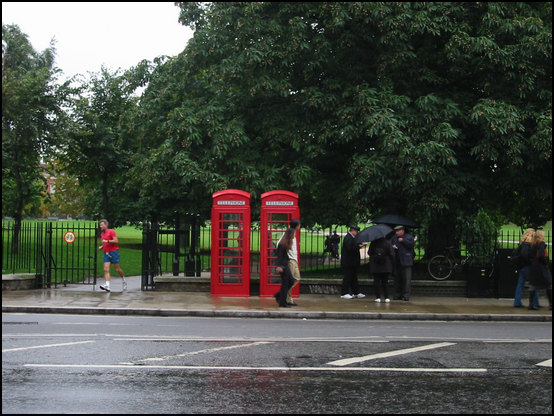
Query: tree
(438, 111)
(97, 150)
(33, 119)
(427, 109)
(68, 196)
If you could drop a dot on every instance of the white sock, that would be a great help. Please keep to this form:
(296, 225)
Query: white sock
(107, 284)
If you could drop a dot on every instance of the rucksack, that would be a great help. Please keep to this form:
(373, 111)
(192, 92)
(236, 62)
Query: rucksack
(379, 255)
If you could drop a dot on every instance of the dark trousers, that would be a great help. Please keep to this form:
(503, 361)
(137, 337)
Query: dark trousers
(381, 283)
(402, 280)
(349, 281)
(286, 283)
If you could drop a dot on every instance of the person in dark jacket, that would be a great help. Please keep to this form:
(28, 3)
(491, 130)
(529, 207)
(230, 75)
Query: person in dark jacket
(283, 268)
(541, 276)
(526, 244)
(381, 259)
(403, 245)
(350, 261)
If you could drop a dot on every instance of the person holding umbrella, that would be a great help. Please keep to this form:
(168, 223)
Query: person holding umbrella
(381, 256)
(381, 260)
(403, 245)
(350, 261)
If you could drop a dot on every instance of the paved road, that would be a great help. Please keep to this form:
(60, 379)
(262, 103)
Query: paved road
(105, 364)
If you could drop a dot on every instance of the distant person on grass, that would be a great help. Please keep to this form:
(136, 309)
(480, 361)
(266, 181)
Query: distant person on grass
(111, 254)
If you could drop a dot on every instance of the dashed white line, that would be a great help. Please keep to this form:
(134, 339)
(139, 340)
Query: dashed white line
(209, 350)
(547, 363)
(353, 360)
(45, 346)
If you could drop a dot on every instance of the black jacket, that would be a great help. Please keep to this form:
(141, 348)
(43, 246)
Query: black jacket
(282, 257)
(350, 255)
(541, 276)
(405, 250)
(386, 266)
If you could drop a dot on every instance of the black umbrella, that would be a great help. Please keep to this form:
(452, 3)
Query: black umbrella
(395, 219)
(373, 233)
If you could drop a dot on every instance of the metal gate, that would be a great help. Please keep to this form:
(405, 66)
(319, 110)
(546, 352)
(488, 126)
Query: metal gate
(58, 253)
(170, 251)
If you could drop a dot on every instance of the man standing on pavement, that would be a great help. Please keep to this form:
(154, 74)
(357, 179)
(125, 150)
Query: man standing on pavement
(350, 261)
(111, 254)
(403, 245)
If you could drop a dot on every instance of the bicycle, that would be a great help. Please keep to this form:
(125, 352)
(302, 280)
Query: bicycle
(441, 266)
(330, 253)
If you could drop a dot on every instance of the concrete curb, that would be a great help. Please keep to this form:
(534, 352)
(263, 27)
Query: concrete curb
(276, 314)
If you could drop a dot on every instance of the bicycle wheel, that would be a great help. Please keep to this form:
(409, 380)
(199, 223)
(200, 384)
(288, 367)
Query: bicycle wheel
(440, 267)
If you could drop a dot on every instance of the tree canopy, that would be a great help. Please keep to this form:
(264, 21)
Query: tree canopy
(433, 110)
(33, 118)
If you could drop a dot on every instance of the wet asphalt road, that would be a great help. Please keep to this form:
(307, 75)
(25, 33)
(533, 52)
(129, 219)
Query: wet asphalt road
(104, 364)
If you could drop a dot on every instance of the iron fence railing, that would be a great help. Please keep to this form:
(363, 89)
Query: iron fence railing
(24, 255)
(315, 257)
(56, 252)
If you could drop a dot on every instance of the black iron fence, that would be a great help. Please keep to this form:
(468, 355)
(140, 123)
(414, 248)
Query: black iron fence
(21, 249)
(316, 255)
(56, 252)
(66, 252)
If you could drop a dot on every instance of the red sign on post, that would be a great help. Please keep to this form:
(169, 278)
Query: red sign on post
(69, 237)
(231, 221)
(277, 209)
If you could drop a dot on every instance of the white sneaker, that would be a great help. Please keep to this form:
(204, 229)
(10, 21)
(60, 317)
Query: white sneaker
(106, 288)
(387, 300)
(124, 285)
(378, 300)
(347, 296)
(359, 296)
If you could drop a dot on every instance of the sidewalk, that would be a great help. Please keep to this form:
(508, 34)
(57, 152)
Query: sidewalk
(86, 299)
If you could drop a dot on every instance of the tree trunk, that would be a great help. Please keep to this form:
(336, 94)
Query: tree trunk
(441, 234)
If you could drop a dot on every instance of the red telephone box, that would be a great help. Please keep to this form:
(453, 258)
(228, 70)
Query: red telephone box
(276, 211)
(230, 269)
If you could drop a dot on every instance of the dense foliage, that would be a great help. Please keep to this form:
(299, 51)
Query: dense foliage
(33, 118)
(435, 110)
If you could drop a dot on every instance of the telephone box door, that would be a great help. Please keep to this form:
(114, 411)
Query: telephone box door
(230, 269)
(277, 209)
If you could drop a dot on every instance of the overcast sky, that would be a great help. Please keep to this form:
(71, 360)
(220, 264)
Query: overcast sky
(89, 35)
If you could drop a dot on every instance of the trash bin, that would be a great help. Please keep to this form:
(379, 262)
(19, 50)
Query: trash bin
(479, 285)
(507, 274)
(198, 265)
(175, 267)
(189, 267)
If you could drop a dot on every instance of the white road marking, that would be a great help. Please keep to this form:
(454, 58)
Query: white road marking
(530, 341)
(547, 363)
(209, 350)
(232, 339)
(233, 368)
(46, 346)
(369, 339)
(353, 360)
